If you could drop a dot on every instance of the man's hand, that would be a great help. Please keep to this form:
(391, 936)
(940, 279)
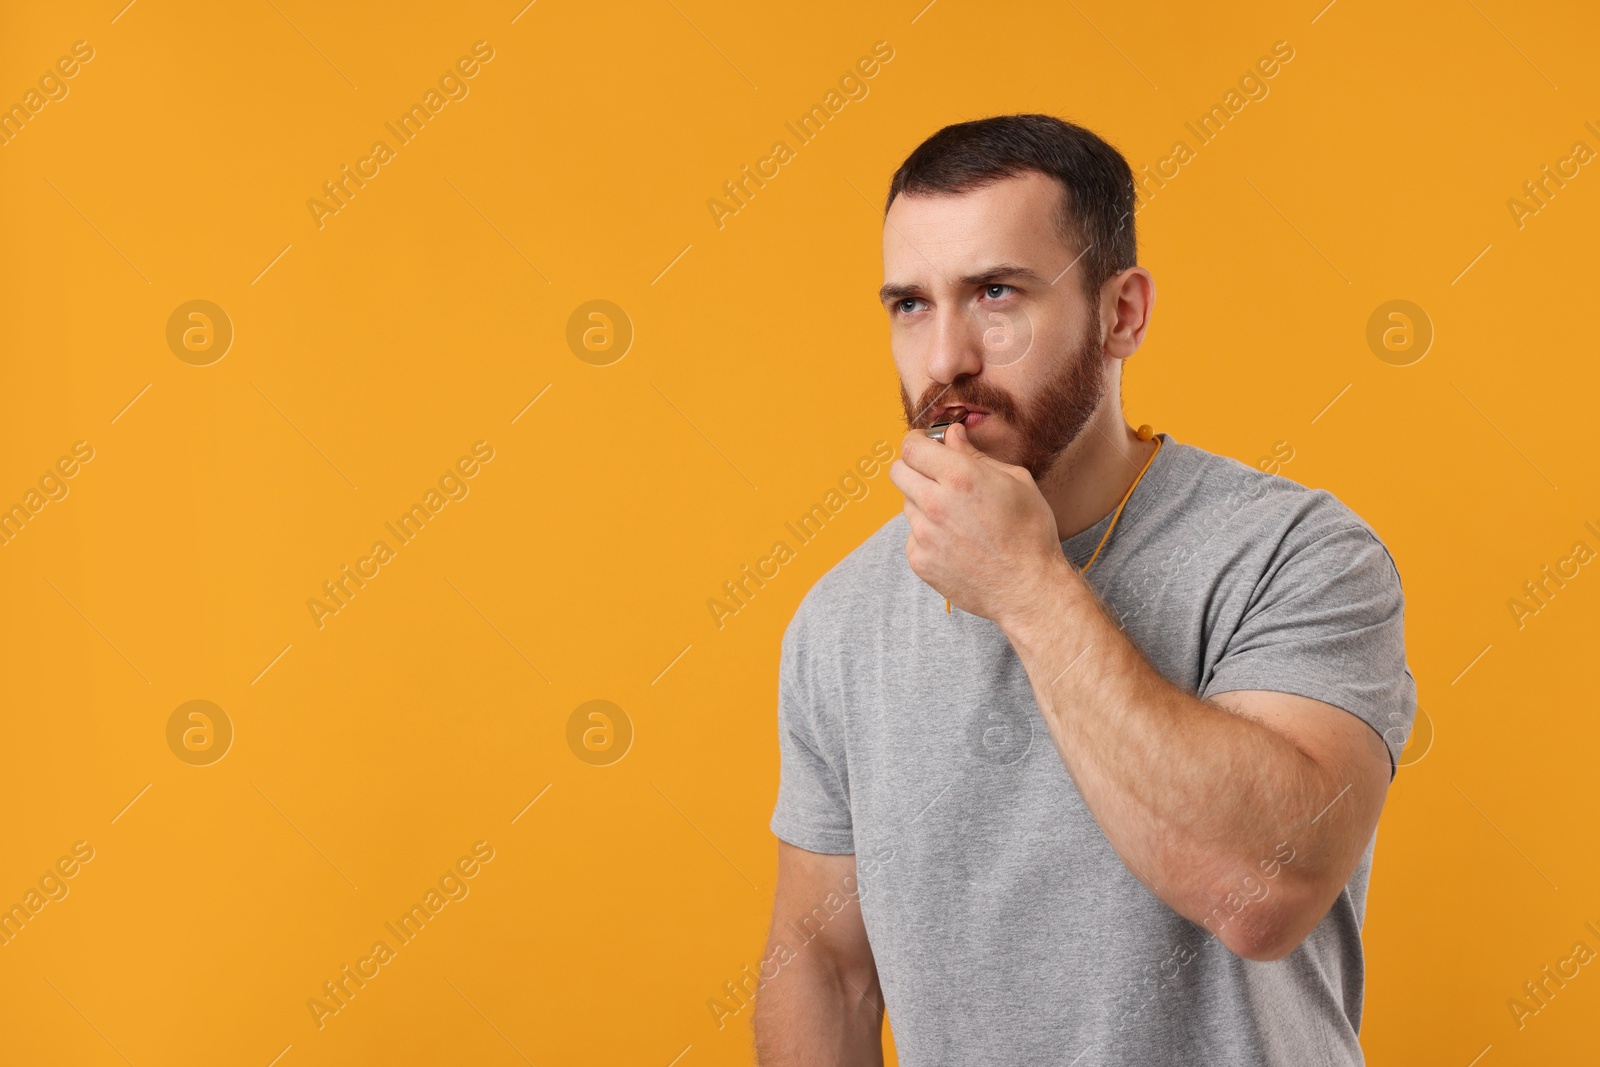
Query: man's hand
(982, 534)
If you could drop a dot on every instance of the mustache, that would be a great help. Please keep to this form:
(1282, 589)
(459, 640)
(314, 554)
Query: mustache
(973, 393)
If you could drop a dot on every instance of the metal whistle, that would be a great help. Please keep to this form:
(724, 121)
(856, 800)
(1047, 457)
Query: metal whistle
(936, 431)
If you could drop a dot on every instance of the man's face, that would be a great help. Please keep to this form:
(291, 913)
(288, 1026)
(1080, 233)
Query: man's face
(984, 313)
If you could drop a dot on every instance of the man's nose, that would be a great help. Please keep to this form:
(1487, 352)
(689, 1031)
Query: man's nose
(956, 349)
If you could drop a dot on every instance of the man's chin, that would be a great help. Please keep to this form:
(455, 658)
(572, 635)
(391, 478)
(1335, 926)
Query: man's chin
(994, 439)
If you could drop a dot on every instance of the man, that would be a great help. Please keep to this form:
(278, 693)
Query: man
(1114, 815)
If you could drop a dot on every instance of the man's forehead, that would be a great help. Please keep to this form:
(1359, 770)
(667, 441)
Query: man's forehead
(1009, 221)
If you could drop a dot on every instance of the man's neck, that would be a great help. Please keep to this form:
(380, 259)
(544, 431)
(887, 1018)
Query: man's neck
(1092, 475)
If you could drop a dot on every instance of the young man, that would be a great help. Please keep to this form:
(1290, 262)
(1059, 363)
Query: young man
(1116, 802)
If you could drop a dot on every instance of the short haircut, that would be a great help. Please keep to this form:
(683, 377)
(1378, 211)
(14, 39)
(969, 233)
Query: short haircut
(1097, 202)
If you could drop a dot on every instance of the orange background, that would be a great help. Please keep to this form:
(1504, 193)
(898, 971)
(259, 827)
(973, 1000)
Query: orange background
(369, 354)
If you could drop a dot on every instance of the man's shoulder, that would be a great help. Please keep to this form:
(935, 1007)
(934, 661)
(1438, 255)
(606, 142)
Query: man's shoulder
(859, 585)
(1222, 495)
(1211, 482)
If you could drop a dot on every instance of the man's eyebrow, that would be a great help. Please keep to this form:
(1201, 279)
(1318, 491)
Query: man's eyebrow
(1000, 272)
(893, 293)
(1005, 270)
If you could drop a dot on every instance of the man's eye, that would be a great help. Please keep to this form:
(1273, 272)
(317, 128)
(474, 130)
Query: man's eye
(905, 307)
(989, 290)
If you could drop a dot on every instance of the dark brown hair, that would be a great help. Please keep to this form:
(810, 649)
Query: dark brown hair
(1097, 184)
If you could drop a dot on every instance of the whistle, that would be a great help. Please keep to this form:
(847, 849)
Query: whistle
(937, 430)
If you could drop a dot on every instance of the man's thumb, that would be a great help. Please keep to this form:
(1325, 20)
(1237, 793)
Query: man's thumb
(956, 437)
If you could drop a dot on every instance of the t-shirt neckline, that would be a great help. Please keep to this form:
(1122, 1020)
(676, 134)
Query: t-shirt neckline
(1080, 546)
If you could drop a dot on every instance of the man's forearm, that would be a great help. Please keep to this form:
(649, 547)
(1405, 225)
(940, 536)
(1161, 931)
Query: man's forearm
(1192, 796)
(814, 1015)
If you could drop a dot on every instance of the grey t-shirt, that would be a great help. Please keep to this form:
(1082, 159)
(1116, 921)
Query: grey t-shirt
(1005, 928)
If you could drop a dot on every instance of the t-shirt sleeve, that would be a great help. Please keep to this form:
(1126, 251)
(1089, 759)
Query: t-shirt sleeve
(813, 806)
(1329, 624)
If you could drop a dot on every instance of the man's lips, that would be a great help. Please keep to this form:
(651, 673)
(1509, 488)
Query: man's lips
(965, 413)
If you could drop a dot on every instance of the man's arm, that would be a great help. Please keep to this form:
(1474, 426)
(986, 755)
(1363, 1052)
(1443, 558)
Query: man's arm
(1203, 799)
(823, 1007)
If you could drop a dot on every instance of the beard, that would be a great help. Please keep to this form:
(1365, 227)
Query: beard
(1047, 424)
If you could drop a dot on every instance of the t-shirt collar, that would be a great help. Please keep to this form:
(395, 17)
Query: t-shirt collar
(1080, 546)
